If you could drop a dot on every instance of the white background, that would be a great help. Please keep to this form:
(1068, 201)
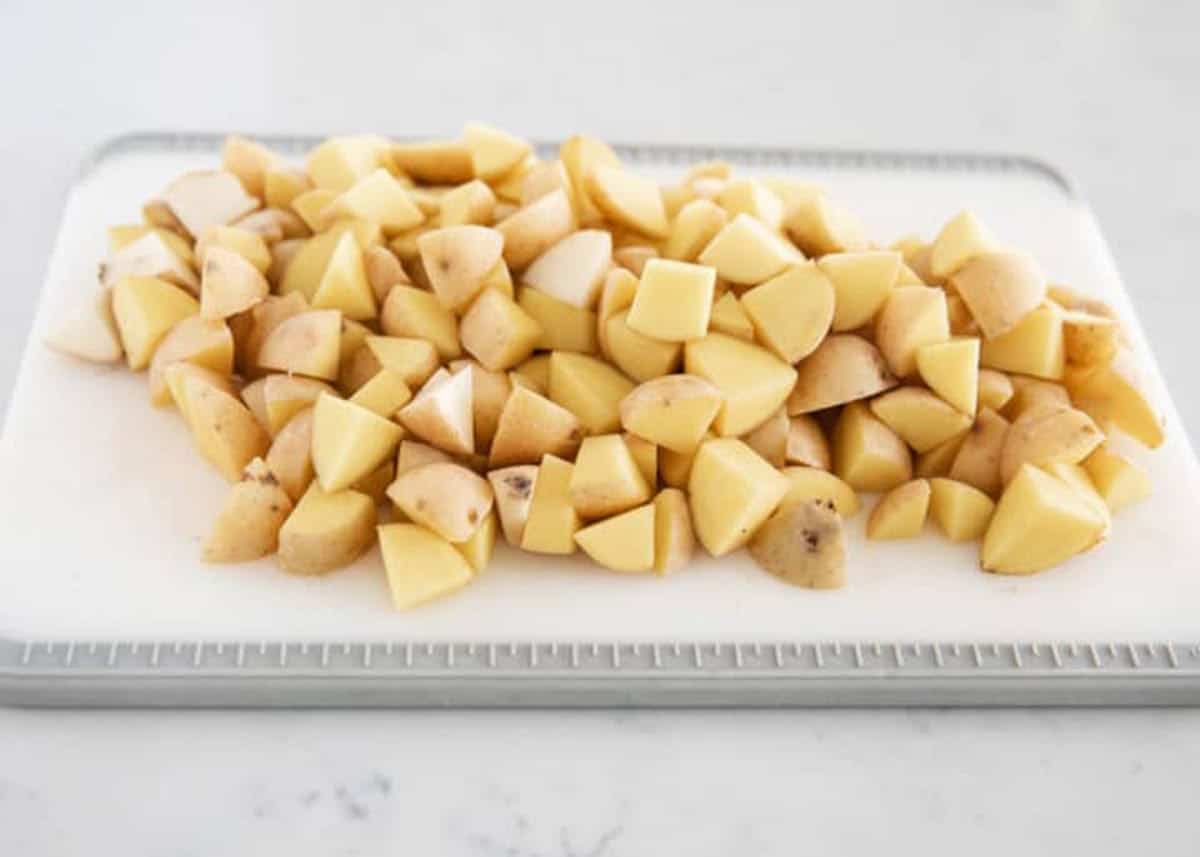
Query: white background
(1110, 91)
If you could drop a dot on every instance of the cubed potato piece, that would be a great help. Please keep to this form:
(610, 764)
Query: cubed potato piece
(478, 549)
(157, 214)
(509, 187)
(962, 323)
(818, 226)
(673, 412)
(1075, 476)
(284, 396)
(344, 285)
(88, 331)
(307, 265)
(645, 456)
(563, 327)
(995, 389)
(792, 312)
(339, 162)
(229, 284)
(806, 443)
(120, 237)
(616, 295)
(552, 521)
(290, 455)
(544, 178)
(573, 270)
(580, 155)
(749, 196)
(978, 460)
(861, 284)
(901, 512)
(281, 185)
(225, 431)
(803, 543)
(868, 455)
(414, 360)
(733, 491)
(375, 483)
(961, 240)
(621, 543)
(349, 441)
(308, 343)
(498, 332)
(1088, 339)
(747, 252)
(412, 312)
(473, 202)
(674, 539)
(696, 224)
(413, 454)
(913, 316)
(420, 564)
(247, 527)
(809, 483)
(493, 152)
(1117, 394)
(441, 413)
(151, 255)
(961, 511)
(532, 230)
(272, 225)
(249, 161)
(513, 489)
(326, 531)
(1033, 393)
(1033, 347)
(673, 301)
(145, 309)
(1048, 434)
(384, 394)
(533, 373)
(249, 245)
(752, 381)
(729, 317)
(640, 357)
(606, 480)
(445, 497)
(951, 369)
(590, 389)
(178, 375)
(205, 198)
(1117, 480)
(770, 438)
(489, 392)
(628, 199)
(532, 426)
(434, 161)
(457, 260)
(251, 329)
(844, 368)
(378, 198)
(939, 460)
(194, 340)
(1039, 522)
(1000, 288)
(920, 418)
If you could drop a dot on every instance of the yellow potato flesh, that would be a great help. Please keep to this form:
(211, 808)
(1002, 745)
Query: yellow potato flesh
(553, 521)
(961, 511)
(809, 483)
(420, 564)
(753, 382)
(590, 389)
(1118, 480)
(563, 327)
(673, 301)
(606, 480)
(349, 441)
(900, 513)
(732, 492)
(145, 309)
(951, 369)
(1034, 347)
(922, 419)
(792, 312)
(622, 543)
(729, 317)
(497, 332)
(868, 455)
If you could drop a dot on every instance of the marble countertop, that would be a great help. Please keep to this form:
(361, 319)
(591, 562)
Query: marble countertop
(1106, 89)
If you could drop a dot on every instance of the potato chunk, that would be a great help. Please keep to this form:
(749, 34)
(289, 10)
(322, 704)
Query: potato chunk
(326, 531)
(457, 260)
(1033, 347)
(552, 521)
(745, 251)
(733, 491)
(606, 480)
(962, 239)
(803, 543)
(696, 224)
(951, 369)
(621, 543)
(414, 313)
(919, 417)
(420, 564)
(1117, 394)
(195, 340)
(145, 309)
(308, 343)
(729, 317)
(442, 412)
(752, 381)
(960, 510)
(225, 431)
(1048, 434)
(573, 270)
(1118, 481)
(562, 327)
(809, 483)
(1000, 289)
(445, 497)
(247, 527)
(674, 411)
(513, 490)
(861, 284)
(844, 368)
(673, 301)
(590, 389)
(628, 199)
(792, 312)
(536, 227)
(497, 332)
(349, 441)
(532, 426)
(867, 454)
(901, 512)
(913, 316)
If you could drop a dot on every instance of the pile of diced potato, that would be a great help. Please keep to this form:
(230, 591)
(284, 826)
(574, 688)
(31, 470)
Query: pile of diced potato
(427, 343)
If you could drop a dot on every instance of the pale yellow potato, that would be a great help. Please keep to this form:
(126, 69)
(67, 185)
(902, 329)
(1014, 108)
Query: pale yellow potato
(673, 301)
(497, 332)
(589, 388)
(1117, 394)
(313, 207)
(908, 277)
(153, 254)
(901, 512)
(473, 202)
(457, 259)
(803, 543)
(819, 226)
(951, 369)
(385, 394)
(275, 399)
(753, 381)
(861, 284)
(563, 327)
(344, 285)
(1033, 347)
(995, 389)
(624, 542)
(792, 312)
(532, 426)
(500, 280)
(478, 549)
(634, 257)
(414, 360)
(729, 317)
(628, 199)
(732, 492)
(1119, 481)
(1089, 339)
(434, 161)
(961, 511)
(249, 245)
(696, 224)
(534, 373)
(573, 270)
(544, 178)
(673, 412)
(645, 456)
(194, 340)
(375, 483)
(339, 162)
(513, 490)
(204, 198)
(145, 309)
(806, 444)
(420, 564)
(405, 247)
(509, 187)
(247, 527)
(939, 460)
(912, 316)
(413, 454)
(1000, 288)
(445, 497)
(377, 198)
(224, 430)
(156, 213)
(1048, 434)
(809, 483)
(770, 438)
(124, 235)
(1039, 522)
(251, 329)
(229, 284)
(868, 455)
(962, 323)
(580, 155)
(441, 413)
(961, 240)
(919, 417)
(273, 225)
(606, 480)
(349, 441)
(412, 312)
(844, 368)
(493, 152)
(89, 331)
(749, 196)
(533, 229)
(1031, 393)
(978, 460)
(674, 539)
(616, 295)
(552, 521)
(746, 252)
(307, 343)
(249, 161)
(281, 185)
(640, 357)
(489, 392)
(675, 468)
(178, 375)
(1075, 476)
(326, 531)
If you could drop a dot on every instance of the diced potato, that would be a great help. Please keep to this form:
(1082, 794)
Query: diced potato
(673, 301)
(247, 527)
(628, 199)
(806, 444)
(819, 226)
(638, 356)
(284, 396)
(445, 497)
(145, 309)
(384, 394)
(89, 332)
(179, 375)
(961, 511)
(995, 389)
(343, 285)
(375, 483)
(622, 543)
(962, 323)
(1048, 434)
(544, 178)
(489, 392)
(151, 255)
(747, 252)
(573, 270)
(861, 284)
(478, 549)
(513, 489)
(249, 245)
(673, 412)
(961, 240)
(580, 155)
(434, 161)
(978, 460)
(792, 312)
(939, 460)
(533, 373)
(1000, 289)
(413, 454)
(901, 512)
(416, 313)
(844, 368)
(919, 417)
(803, 543)
(675, 468)
(532, 230)
(1039, 522)
(951, 369)
(157, 214)
(913, 316)
(729, 317)
(606, 480)
(1118, 481)
(1116, 394)
(195, 340)
(770, 438)
(563, 327)
(1033, 393)
(616, 295)
(493, 152)
(441, 413)
(349, 441)
(225, 431)
(1090, 340)
(748, 196)
(674, 540)
(733, 491)
(809, 483)
(281, 185)
(634, 257)
(229, 284)
(696, 224)
(414, 360)
(552, 521)
(532, 426)
(249, 161)
(645, 456)
(306, 268)
(308, 343)
(590, 389)
(867, 454)
(205, 198)
(1033, 347)
(457, 259)
(377, 198)
(752, 381)
(1075, 476)
(473, 202)
(339, 162)
(420, 564)
(326, 531)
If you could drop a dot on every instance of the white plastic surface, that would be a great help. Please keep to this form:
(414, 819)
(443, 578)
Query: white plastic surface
(104, 504)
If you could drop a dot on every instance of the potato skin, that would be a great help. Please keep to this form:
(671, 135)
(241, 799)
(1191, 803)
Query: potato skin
(248, 526)
(803, 543)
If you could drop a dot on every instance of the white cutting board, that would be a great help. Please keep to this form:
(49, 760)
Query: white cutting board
(104, 504)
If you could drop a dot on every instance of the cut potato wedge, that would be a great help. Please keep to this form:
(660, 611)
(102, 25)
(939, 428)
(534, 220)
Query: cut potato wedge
(606, 480)
(901, 512)
(844, 368)
(770, 438)
(308, 343)
(532, 426)
(229, 284)
(420, 564)
(809, 483)
(457, 260)
(194, 340)
(939, 460)
(792, 312)
(1117, 394)
(978, 460)
(205, 198)
(628, 199)
(344, 285)
(590, 389)
(912, 317)
(445, 497)
(696, 224)
(349, 441)
(1033, 347)
(385, 394)
(1117, 480)
(1045, 435)
(497, 332)
(573, 270)
(729, 317)
(732, 491)
(326, 531)
(552, 521)
(225, 431)
(861, 284)
(249, 245)
(806, 443)
(151, 255)
(513, 490)
(89, 332)
(752, 381)
(434, 161)
(377, 198)
(532, 230)
(145, 309)
(951, 369)
(673, 412)
(995, 389)
(247, 527)
(441, 413)
(1000, 289)
(961, 240)
(414, 360)
(745, 251)
(961, 511)
(674, 539)
(673, 301)
(818, 226)
(417, 314)
(621, 543)
(640, 357)
(922, 419)
(562, 326)
(803, 543)
(868, 455)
